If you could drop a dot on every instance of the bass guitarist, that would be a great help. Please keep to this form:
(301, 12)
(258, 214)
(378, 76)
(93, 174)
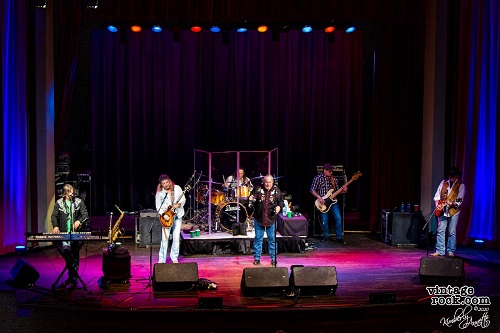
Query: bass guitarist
(169, 199)
(321, 184)
(448, 198)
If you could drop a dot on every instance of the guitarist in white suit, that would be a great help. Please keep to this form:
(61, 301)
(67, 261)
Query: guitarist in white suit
(170, 198)
(321, 184)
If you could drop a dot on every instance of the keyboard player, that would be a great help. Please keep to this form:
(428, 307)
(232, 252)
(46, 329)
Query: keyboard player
(69, 215)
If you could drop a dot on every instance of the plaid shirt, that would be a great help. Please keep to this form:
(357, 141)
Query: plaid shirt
(322, 184)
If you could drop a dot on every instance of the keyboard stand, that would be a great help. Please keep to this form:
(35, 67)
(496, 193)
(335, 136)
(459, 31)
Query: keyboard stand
(68, 268)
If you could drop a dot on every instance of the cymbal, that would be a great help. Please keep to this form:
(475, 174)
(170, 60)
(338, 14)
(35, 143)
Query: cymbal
(210, 181)
(258, 177)
(274, 177)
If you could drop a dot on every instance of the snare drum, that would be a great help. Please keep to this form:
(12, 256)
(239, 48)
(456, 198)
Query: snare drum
(243, 192)
(227, 214)
(217, 197)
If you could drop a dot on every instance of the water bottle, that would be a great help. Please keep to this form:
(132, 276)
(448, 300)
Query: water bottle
(402, 206)
(285, 207)
(408, 209)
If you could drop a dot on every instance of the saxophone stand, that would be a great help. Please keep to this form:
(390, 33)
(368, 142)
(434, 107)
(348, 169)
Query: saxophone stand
(157, 218)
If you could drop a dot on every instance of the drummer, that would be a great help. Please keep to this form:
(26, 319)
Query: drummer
(241, 181)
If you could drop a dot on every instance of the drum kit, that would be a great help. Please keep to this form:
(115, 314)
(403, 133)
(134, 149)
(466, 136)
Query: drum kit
(230, 204)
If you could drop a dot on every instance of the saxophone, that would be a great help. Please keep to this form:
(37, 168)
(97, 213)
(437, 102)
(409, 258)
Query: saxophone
(116, 231)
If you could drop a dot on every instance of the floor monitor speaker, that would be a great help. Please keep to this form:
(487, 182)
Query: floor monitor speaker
(315, 280)
(441, 271)
(23, 273)
(264, 281)
(175, 277)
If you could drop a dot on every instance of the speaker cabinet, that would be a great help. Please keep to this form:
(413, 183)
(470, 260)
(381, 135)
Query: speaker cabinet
(116, 265)
(315, 280)
(441, 271)
(405, 228)
(264, 281)
(175, 277)
(144, 227)
(23, 273)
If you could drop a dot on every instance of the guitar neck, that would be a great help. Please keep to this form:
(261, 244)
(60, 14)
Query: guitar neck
(340, 189)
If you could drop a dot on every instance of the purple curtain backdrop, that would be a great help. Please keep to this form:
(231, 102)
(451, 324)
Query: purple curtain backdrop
(154, 100)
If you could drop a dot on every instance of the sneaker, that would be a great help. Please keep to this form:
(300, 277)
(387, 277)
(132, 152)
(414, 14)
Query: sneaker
(436, 254)
(341, 241)
(273, 263)
(256, 262)
(175, 261)
(451, 254)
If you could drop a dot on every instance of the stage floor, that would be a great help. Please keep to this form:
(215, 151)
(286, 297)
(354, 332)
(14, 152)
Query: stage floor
(364, 267)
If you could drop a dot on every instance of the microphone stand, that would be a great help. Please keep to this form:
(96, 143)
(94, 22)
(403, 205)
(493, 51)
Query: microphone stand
(157, 218)
(427, 232)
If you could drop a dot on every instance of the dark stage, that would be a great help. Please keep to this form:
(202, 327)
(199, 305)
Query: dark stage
(365, 285)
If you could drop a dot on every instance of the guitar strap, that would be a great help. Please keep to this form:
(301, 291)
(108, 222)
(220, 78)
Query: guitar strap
(452, 196)
(444, 190)
(334, 183)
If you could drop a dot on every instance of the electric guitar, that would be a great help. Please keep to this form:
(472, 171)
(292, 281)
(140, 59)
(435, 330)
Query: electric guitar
(330, 197)
(439, 210)
(167, 218)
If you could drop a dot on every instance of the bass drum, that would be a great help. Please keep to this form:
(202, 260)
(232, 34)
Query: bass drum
(227, 213)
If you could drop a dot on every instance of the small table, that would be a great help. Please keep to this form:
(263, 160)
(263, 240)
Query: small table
(293, 226)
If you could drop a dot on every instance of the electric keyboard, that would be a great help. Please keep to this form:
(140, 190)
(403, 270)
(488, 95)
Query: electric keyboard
(65, 236)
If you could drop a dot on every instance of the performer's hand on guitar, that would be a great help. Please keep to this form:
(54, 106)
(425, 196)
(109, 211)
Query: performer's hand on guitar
(344, 189)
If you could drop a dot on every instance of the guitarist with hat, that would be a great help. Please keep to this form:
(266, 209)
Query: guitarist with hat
(448, 198)
(170, 202)
(321, 184)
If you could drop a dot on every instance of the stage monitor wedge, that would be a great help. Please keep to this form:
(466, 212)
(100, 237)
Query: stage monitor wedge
(264, 281)
(314, 280)
(442, 271)
(24, 274)
(175, 277)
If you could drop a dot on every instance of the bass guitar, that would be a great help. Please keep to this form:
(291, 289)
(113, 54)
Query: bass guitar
(167, 218)
(330, 196)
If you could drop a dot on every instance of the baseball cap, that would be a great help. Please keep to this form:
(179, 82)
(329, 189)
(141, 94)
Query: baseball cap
(328, 167)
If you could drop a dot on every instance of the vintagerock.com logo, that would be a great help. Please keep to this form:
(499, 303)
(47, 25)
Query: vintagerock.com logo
(472, 310)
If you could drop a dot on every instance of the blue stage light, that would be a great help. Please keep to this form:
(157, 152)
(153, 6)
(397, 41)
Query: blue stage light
(156, 28)
(112, 28)
(241, 29)
(215, 28)
(307, 28)
(350, 29)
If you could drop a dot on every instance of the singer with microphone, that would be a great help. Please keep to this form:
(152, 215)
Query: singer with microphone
(268, 202)
(69, 215)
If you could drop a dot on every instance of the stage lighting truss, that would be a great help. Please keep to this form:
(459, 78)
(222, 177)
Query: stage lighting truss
(225, 28)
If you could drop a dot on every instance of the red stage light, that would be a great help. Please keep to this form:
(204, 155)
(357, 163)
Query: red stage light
(262, 28)
(195, 28)
(136, 28)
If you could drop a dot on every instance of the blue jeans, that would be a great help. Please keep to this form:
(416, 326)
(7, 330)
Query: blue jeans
(271, 241)
(335, 211)
(165, 235)
(451, 223)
